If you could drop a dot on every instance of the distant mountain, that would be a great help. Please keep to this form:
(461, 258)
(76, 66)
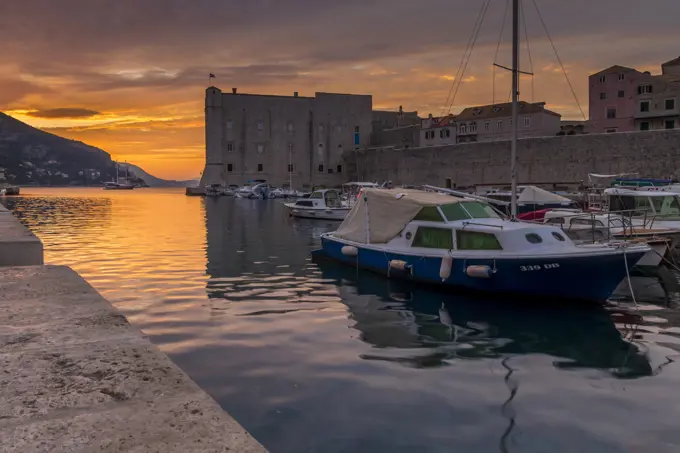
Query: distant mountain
(152, 181)
(31, 156)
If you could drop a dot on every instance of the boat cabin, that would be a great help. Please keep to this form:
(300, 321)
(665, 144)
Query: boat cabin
(642, 203)
(431, 221)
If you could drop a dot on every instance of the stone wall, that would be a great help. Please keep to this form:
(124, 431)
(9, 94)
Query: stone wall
(652, 154)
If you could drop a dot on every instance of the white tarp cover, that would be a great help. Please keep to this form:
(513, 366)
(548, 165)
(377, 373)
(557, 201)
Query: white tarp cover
(533, 194)
(387, 212)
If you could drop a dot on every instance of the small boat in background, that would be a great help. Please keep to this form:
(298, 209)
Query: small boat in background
(325, 204)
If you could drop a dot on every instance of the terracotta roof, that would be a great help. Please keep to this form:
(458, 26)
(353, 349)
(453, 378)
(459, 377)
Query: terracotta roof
(616, 69)
(675, 62)
(502, 111)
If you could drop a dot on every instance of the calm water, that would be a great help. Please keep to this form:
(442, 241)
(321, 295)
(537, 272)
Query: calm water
(315, 358)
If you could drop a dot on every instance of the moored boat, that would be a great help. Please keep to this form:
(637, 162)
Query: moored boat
(322, 204)
(453, 242)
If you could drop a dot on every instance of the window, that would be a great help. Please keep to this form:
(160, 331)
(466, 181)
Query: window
(291, 127)
(486, 126)
(527, 121)
(669, 124)
(330, 170)
(666, 206)
(645, 89)
(356, 129)
(611, 112)
(603, 96)
(317, 195)
(260, 167)
(622, 94)
(230, 167)
(533, 238)
(644, 106)
(463, 128)
(556, 221)
(320, 168)
(473, 127)
(610, 131)
(429, 214)
(467, 210)
(230, 124)
(291, 148)
(558, 236)
(441, 133)
(260, 149)
(670, 104)
(230, 147)
(644, 126)
(433, 238)
(339, 169)
(290, 168)
(587, 222)
(622, 77)
(499, 125)
(260, 126)
(603, 79)
(448, 133)
(474, 240)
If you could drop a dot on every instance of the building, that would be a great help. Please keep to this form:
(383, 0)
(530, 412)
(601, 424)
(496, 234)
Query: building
(395, 128)
(436, 131)
(266, 137)
(624, 99)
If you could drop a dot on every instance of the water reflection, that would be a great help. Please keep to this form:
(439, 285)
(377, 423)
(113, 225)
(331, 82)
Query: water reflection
(405, 316)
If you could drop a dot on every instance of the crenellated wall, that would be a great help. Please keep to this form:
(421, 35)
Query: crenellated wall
(563, 158)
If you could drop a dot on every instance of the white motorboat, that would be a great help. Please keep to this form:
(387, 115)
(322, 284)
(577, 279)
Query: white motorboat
(324, 204)
(593, 227)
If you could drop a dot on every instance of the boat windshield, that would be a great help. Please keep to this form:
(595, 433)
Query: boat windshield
(468, 210)
(666, 206)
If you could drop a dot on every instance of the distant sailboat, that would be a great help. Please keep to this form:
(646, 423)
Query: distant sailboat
(117, 184)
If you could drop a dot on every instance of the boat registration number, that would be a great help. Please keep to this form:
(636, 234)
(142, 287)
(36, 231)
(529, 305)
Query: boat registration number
(538, 267)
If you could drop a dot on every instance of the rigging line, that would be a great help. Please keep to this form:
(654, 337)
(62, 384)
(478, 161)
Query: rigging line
(462, 60)
(526, 38)
(498, 46)
(486, 7)
(566, 76)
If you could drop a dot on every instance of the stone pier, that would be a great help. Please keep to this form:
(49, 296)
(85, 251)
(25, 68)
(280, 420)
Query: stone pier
(75, 376)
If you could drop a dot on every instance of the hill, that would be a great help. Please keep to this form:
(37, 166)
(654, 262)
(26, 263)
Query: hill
(30, 156)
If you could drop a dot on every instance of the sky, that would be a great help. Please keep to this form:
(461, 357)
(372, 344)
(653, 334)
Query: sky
(129, 76)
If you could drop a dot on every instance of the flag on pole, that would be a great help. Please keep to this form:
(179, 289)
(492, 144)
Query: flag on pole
(211, 76)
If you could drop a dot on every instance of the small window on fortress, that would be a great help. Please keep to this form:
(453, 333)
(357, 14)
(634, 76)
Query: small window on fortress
(260, 125)
(230, 124)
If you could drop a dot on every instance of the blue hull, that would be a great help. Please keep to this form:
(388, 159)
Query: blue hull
(582, 278)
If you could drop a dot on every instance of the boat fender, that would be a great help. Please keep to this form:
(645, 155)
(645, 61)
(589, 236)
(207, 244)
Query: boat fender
(349, 250)
(399, 265)
(445, 268)
(479, 271)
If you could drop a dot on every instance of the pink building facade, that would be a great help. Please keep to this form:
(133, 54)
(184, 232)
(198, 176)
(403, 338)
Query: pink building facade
(612, 99)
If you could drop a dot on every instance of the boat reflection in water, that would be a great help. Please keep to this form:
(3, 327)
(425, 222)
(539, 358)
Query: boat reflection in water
(401, 315)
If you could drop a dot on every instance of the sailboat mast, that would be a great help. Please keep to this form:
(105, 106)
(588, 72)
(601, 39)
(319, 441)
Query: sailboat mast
(290, 170)
(515, 97)
(116, 171)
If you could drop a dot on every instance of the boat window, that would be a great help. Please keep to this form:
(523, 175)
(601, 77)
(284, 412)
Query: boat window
(558, 236)
(533, 238)
(304, 203)
(479, 210)
(667, 206)
(588, 222)
(433, 238)
(639, 205)
(454, 211)
(429, 214)
(474, 240)
(557, 220)
(317, 195)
